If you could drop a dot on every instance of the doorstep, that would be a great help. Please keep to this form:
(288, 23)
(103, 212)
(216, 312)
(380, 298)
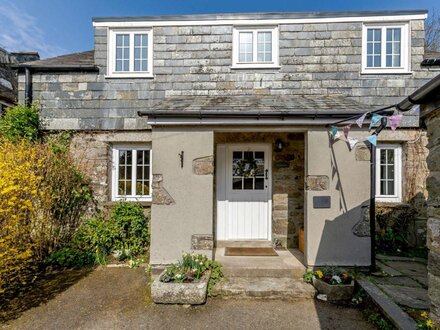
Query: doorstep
(287, 264)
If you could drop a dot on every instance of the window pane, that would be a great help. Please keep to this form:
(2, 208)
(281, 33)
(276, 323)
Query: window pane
(140, 52)
(374, 47)
(237, 183)
(383, 172)
(383, 188)
(259, 183)
(390, 156)
(248, 183)
(245, 47)
(393, 47)
(264, 46)
(390, 187)
(122, 52)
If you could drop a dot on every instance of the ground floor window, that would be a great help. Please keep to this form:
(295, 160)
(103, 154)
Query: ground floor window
(131, 172)
(388, 173)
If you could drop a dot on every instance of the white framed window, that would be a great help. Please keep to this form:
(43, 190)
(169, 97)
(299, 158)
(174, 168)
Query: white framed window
(385, 48)
(130, 53)
(389, 173)
(255, 47)
(131, 172)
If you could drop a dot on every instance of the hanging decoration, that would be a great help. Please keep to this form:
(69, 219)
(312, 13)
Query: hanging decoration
(415, 110)
(346, 130)
(375, 119)
(352, 142)
(395, 121)
(361, 119)
(246, 168)
(372, 139)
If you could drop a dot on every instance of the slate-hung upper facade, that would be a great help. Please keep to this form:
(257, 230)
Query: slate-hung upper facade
(213, 76)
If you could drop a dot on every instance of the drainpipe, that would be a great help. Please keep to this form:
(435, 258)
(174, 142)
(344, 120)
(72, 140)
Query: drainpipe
(383, 124)
(27, 86)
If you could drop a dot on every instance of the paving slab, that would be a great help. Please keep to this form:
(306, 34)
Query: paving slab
(387, 269)
(410, 268)
(422, 280)
(398, 280)
(395, 314)
(407, 296)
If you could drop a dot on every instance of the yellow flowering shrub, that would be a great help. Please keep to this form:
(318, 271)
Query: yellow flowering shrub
(20, 184)
(42, 197)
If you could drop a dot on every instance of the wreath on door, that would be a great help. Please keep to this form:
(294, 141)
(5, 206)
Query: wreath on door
(247, 168)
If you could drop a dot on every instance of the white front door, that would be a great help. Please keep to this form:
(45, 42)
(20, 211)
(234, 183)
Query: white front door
(244, 192)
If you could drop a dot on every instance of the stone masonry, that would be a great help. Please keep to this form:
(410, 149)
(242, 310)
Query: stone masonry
(432, 121)
(316, 59)
(287, 181)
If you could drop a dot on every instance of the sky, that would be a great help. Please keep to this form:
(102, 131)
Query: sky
(56, 27)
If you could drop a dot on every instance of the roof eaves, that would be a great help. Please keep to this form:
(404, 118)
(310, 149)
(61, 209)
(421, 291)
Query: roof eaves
(260, 15)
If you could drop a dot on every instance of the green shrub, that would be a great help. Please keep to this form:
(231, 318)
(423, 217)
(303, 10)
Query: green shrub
(216, 274)
(132, 226)
(71, 257)
(126, 230)
(98, 236)
(21, 122)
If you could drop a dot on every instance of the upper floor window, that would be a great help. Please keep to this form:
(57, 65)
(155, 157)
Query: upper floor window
(130, 53)
(385, 49)
(388, 173)
(255, 47)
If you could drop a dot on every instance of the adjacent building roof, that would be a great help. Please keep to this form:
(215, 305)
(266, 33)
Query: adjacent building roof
(260, 16)
(77, 61)
(431, 58)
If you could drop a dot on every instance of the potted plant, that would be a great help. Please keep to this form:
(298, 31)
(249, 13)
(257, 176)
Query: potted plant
(185, 282)
(336, 284)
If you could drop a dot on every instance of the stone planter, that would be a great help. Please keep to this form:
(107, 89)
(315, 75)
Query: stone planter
(338, 292)
(180, 293)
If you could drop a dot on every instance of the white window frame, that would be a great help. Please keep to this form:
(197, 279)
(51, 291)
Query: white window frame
(236, 64)
(111, 54)
(397, 197)
(405, 44)
(115, 169)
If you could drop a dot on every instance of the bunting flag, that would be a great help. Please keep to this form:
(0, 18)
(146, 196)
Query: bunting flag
(346, 130)
(361, 119)
(375, 119)
(352, 142)
(415, 110)
(372, 139)
(335, 133)
(395, 121)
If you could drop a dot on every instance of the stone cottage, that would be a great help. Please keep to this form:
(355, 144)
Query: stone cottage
(219, 123)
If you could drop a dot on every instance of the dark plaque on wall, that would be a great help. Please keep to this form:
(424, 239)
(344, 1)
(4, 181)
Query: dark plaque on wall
(321, 202)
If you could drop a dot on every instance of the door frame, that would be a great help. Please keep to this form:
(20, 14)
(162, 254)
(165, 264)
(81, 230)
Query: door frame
(222, 174)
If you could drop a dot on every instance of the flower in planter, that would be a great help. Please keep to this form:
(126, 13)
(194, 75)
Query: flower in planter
(335, 280)
(319, 274)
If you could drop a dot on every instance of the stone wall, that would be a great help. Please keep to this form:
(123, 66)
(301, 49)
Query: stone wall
(92, 152)
(433, 184)
(287, 181)
(315, 59)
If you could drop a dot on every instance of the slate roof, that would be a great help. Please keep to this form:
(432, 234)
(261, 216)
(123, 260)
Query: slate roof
(262, 103)
(83, 60)
(260, 15)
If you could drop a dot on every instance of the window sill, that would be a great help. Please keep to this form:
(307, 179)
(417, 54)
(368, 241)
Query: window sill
(385, 71)
(388, 200)
(129, 75)
(133, 199)
(115, 202)
(255, 66)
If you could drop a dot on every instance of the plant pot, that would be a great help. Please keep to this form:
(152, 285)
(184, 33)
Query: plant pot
(338, 292)
(180, 293)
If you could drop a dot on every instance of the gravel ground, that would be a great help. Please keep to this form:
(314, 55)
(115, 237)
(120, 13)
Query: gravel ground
(118, 298)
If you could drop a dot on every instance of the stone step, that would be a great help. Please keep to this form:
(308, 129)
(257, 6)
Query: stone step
(261, 272)
(263, 287)
(286, 264)
(244, 243)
